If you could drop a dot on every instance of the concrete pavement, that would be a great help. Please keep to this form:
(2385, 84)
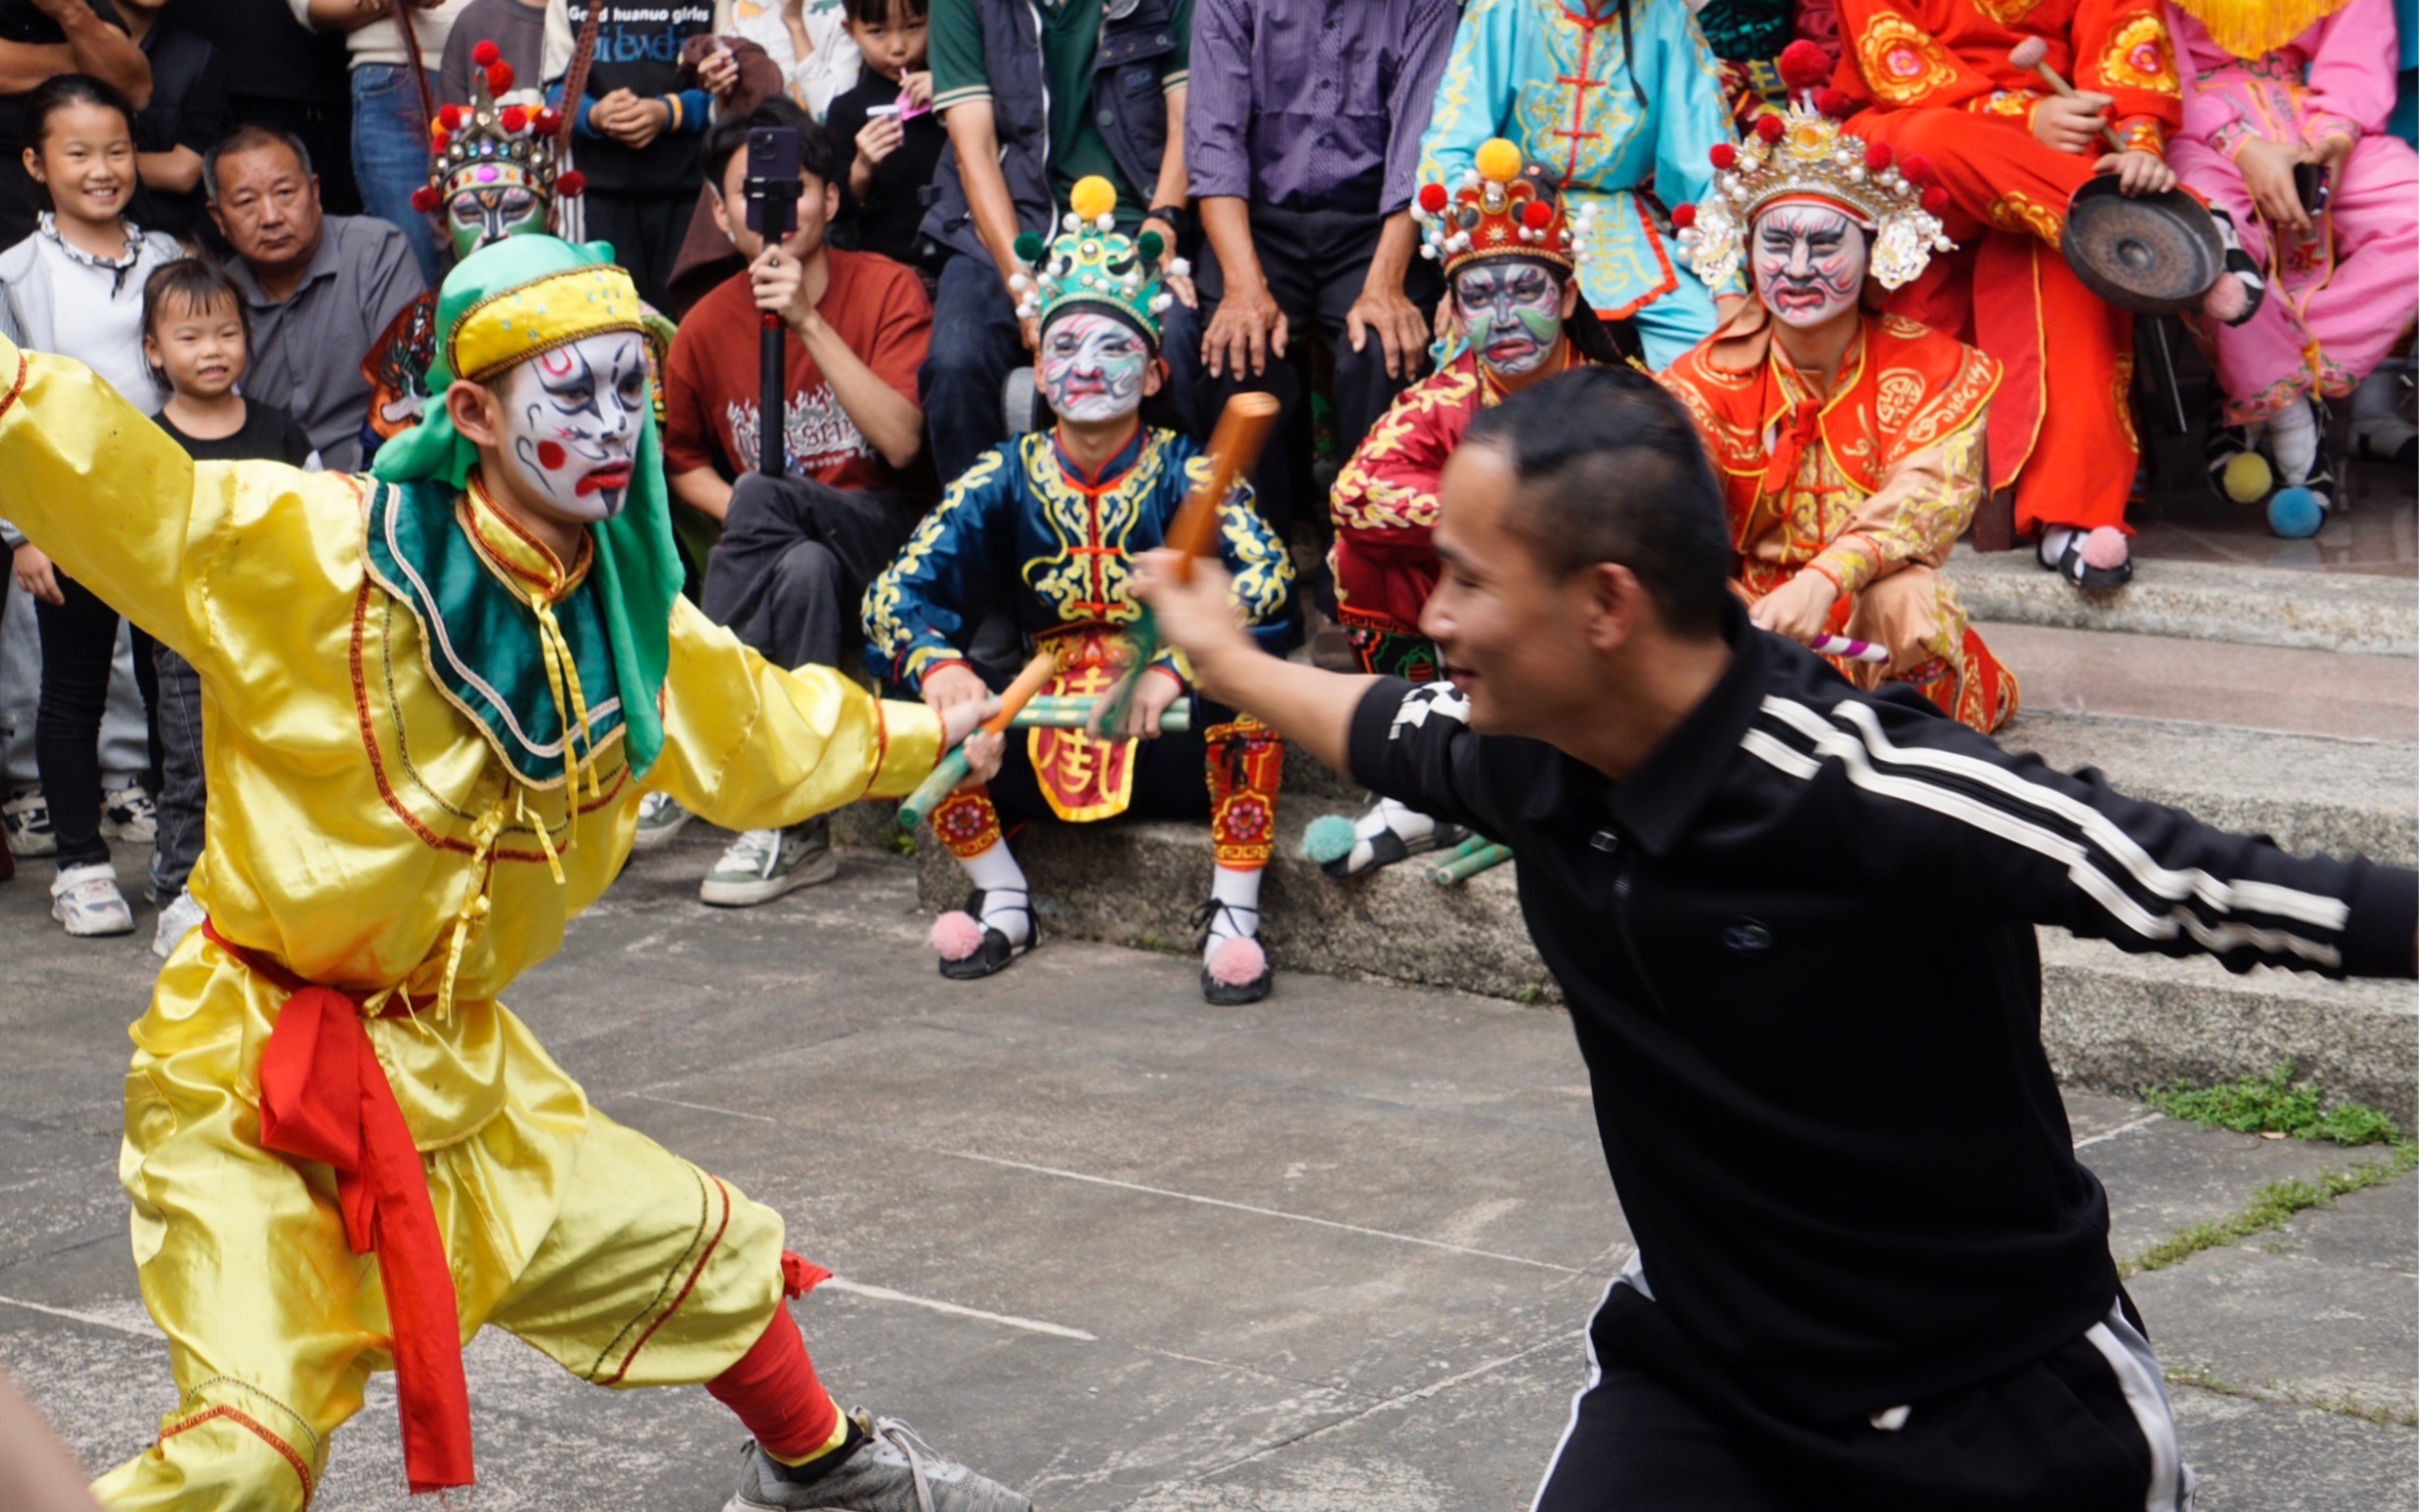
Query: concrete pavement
(1329, 1254)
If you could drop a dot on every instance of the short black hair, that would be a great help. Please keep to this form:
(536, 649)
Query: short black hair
(818, 152)
(189, 286)
(61, 90)
(248, 137)
(1612, 470)
(877, 13)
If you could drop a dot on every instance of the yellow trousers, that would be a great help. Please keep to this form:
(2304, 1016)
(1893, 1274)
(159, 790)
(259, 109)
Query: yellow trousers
(627, 1265)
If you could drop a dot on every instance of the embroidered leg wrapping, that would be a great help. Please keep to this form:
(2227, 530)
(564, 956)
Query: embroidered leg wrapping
(967, 823)
(1246, 761)
(1389, 648)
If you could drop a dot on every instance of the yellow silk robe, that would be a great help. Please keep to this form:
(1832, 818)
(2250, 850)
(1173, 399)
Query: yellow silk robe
(358, 820)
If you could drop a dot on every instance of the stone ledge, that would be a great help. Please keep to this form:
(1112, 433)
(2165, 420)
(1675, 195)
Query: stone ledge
(2201, 601)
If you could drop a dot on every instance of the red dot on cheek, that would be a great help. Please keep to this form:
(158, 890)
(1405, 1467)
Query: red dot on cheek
(550, 456)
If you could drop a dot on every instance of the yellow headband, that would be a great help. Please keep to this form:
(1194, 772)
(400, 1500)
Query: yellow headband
(520, 322)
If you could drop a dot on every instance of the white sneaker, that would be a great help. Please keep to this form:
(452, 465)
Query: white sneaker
(26, 819)
(660, 818)
(179, 919)
(129, 815)
(86, 899)
(763, 864)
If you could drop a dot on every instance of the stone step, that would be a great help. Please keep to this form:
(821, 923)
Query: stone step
(2241, 604)
(2259, 687)
(2111, 1018)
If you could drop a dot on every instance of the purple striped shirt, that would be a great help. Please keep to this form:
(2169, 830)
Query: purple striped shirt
(1314, 104)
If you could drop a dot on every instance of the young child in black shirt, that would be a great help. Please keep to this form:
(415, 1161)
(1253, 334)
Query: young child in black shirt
(196, 343)
(898, 134)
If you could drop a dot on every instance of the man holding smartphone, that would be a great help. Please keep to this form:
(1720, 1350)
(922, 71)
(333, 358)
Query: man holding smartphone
(796, 550)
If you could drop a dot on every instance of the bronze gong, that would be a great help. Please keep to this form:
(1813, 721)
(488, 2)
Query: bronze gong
(2157, 255)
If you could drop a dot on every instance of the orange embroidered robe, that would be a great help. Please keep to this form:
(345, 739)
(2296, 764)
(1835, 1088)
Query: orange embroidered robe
(1937, 78)
(1869, 486)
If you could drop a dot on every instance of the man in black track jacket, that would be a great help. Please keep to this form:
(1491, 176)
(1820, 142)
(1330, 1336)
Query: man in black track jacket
(1795, 926)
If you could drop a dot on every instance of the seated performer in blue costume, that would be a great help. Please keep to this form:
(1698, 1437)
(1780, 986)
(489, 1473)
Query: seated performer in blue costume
(1045, 528)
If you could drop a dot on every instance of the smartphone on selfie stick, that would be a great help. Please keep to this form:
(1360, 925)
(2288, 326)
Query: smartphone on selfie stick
(771, 191)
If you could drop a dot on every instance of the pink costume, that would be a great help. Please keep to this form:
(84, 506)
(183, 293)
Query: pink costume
(2338, 303)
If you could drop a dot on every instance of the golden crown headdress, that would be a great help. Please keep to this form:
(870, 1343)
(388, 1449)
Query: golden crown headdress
(1501, 208)
(1094, 263)
(490, 141)
(1801, 153)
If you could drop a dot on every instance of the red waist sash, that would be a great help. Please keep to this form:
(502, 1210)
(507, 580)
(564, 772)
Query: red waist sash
(324, 1097)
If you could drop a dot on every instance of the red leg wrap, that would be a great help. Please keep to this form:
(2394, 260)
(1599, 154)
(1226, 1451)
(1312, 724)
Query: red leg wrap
(774, 1391)
(967, 823)
(1248, 759)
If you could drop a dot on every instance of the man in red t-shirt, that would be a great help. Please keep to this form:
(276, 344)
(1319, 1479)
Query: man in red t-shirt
(796, 550)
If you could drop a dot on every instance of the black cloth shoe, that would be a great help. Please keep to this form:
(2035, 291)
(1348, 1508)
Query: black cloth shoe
(997, 950)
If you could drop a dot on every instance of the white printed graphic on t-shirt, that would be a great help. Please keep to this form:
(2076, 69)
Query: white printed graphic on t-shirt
(819, 435)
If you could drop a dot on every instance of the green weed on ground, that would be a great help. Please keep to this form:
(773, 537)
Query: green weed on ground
(2272, 1104)
(2270, 1207)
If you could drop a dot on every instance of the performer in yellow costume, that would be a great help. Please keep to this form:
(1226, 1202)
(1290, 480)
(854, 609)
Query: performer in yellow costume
(434, 699)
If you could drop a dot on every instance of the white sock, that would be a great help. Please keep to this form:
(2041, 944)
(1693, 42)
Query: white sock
(2375, 416)
(1004, 896)
(1241, 919)
(1410, 825)
(2293, 441)
(2054, 545)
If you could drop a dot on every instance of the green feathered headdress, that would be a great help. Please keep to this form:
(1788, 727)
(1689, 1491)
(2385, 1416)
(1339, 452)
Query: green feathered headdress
(500, 307)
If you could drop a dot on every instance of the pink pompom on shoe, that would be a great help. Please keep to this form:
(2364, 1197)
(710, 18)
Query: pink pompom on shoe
(1236, 962)
(2227, 301)
(2103, 548)
(956, 935)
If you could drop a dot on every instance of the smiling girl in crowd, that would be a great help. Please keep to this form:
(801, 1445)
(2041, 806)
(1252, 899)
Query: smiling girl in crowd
(197, 342)
(75, 286)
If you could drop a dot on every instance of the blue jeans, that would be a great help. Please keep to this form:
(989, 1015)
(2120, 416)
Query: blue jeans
(390, 154)
(976, 346)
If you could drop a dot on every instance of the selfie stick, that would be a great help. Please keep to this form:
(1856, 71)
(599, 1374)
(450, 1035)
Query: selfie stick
(770, 189)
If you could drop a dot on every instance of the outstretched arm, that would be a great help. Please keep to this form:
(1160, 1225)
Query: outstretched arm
(1311, 707)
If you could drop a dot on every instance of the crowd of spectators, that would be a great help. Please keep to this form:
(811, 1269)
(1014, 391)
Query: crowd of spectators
(259, 168)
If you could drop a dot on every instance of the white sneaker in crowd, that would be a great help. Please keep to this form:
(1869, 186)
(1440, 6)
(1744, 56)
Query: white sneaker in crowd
(26, 819)
(86, 899)
(179, 919)
(129, 815)
(660, 818)
(763, 864)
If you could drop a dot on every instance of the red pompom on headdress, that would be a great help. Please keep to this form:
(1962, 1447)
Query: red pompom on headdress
(571, 184)
(1433, 198)
(452, 117)
(1723, 155)
(1770, 127)
(499, 78)
(1878, 157)
(1684, 216)
(514, 118)
(1537, 215)
(1803, 66)
(1834, 102)
(425, 200)
(485, 53)
(1935, 200)
(1916, 168)
(548, 120)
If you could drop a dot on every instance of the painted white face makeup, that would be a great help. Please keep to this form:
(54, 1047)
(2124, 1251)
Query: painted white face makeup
(1808, 261)
(1513, 312)
(571, 419)
(1093, 366)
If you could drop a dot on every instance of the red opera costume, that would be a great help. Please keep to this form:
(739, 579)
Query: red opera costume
(1869, 487)
(1937, 78)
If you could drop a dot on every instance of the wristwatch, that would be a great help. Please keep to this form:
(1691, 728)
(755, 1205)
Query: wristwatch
(1176, 217)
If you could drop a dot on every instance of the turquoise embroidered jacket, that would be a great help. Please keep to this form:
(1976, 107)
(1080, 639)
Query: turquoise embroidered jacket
(1024, 530)
(1553, 76)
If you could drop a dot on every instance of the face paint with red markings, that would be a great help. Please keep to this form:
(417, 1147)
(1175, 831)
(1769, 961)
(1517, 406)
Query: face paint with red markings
(1808, 263)
(572, 422)
(1093, 366)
